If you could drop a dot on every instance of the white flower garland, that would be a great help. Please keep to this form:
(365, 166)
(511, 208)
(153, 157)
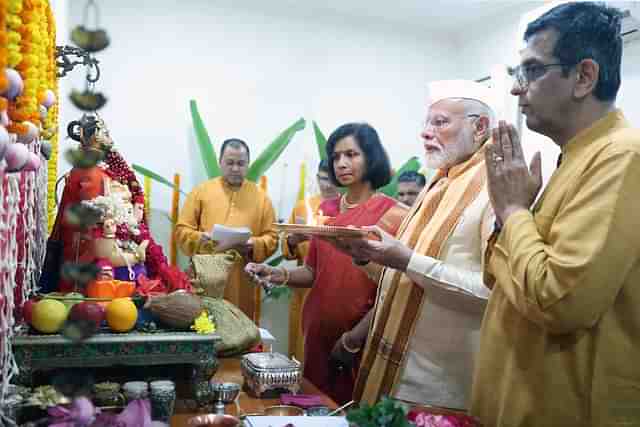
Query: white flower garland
(23, 199)
(113, 207)
(9, 209)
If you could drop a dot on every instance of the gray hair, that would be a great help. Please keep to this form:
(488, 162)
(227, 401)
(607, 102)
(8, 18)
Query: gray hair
(473, 106)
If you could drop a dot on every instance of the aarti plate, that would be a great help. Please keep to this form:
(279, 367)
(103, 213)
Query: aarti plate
(322, 230)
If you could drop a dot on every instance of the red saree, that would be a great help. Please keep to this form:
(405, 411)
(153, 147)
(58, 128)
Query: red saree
(341, 294)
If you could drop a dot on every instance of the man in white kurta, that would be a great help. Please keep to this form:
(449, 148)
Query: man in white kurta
(431, 298)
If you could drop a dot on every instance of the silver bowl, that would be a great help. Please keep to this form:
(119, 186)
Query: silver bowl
(223, 393)
(284, 411)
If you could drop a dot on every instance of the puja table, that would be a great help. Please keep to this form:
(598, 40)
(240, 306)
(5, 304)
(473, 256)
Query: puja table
(229, 371)
(38, 352)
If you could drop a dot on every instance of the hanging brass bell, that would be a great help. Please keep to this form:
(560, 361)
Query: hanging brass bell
(87, 100)
(91, 40)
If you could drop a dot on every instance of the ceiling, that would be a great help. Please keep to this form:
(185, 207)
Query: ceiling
(417, 15)
(433, 15)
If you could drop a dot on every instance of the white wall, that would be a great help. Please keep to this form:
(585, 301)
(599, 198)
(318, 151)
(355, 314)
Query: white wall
(253, 72)
(628, 95)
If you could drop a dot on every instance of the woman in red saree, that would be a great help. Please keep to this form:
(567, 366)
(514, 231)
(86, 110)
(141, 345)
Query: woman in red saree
(341, 293)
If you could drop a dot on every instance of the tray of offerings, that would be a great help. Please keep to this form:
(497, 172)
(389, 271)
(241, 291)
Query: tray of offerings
(322, 230)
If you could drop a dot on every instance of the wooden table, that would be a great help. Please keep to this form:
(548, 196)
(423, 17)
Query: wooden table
(229, 370)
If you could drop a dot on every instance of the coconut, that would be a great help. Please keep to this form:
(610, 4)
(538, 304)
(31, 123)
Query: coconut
(178, 309)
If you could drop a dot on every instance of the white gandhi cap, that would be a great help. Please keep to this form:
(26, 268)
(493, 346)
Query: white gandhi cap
(463, 89)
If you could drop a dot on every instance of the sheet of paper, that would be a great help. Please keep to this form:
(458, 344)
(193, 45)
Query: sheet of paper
(228, 237)
(298, 421)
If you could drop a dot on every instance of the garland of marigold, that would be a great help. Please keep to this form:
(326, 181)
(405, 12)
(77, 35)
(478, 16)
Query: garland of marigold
(14, 38)
(34, 60)
(51, 123)
(4, 42)
(27, 44)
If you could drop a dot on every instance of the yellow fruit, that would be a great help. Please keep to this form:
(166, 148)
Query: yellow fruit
(48, 316)
(121, 314)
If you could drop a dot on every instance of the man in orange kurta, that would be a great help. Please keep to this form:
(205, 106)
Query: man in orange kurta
(232, 201)
(560, 339)
(296, 247)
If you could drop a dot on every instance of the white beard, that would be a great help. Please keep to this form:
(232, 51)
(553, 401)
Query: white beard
(450, 155)
(436, 160)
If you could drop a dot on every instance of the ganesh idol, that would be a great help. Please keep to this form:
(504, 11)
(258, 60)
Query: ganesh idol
(125, 241)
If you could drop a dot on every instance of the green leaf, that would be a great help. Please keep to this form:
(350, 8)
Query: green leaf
(321, 141)
(146, 172)
(273, 151)
(391, 189)
(207, 152)
(386, 413)
(276, 261)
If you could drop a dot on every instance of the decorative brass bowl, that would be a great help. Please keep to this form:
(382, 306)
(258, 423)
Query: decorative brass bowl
(283, 411)
(213, 420)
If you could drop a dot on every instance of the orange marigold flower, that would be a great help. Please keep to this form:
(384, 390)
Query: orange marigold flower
(19, 128)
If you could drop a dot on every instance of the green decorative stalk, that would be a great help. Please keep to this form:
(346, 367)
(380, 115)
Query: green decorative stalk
(391, 189)
(207, 151)
(154, 176)
(270, 154)
(321, 141)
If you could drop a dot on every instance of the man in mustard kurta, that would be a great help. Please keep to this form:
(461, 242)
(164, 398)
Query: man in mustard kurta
(560, 339)
(232, 201)
(296, 246)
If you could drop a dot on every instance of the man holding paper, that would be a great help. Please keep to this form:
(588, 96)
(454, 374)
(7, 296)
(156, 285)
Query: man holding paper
(230, 201)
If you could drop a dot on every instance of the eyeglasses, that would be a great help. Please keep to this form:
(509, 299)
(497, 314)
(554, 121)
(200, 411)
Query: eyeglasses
(440, 123)
(525, 74)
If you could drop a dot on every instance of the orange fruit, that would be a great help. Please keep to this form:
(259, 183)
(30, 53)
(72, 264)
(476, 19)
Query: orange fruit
(121, 314)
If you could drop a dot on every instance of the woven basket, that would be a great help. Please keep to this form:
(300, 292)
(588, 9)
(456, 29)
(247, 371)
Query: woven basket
(210, 272)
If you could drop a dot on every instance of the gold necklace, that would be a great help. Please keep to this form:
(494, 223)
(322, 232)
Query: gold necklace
(344, 205)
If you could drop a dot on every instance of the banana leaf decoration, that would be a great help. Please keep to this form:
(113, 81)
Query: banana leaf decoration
(156, 177)
(270, 154)
(207, 152)
(259, 166)
(391, 189)
(321, 141)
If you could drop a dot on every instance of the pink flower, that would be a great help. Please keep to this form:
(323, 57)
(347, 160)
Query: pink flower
(426, 419)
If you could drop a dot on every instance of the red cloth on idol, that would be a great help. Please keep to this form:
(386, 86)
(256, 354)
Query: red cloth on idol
(340, 297)
(81, 184)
